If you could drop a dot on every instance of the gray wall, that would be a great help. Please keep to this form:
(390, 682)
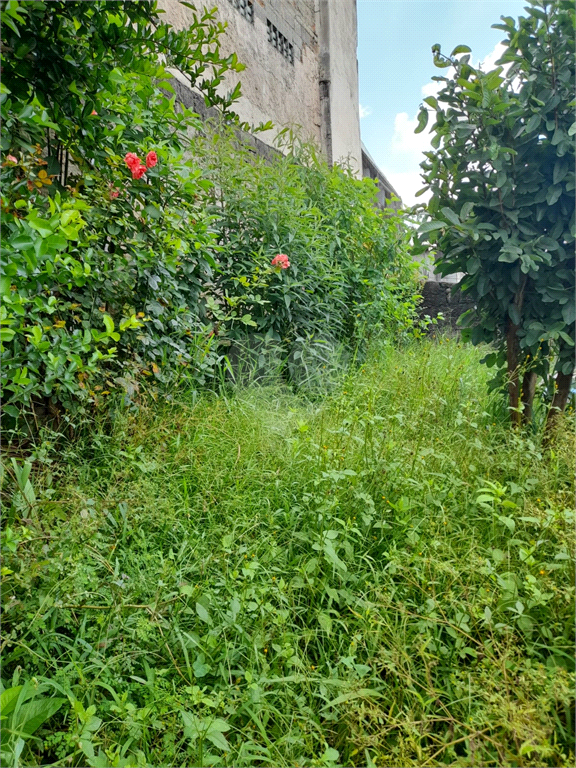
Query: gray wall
(273, 88)
(439, 297)
(286, 89)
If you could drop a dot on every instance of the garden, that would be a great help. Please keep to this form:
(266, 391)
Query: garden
(257, 511)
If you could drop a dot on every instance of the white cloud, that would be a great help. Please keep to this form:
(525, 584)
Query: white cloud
(488, 63)
(407, 183)
(405, 141)
(407, 148)
(365, 111)
(431, 89)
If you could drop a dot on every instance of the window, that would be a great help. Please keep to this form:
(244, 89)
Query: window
(280, 42)
(246, 8)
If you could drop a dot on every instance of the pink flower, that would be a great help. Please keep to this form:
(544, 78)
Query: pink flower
(93, 112)
(132, 161)
(11, 159)
(151, 159)
(138, 171)
(281, 260)
(113, 193)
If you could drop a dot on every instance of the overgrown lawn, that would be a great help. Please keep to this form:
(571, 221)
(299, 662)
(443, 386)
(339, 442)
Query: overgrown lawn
(381, 576)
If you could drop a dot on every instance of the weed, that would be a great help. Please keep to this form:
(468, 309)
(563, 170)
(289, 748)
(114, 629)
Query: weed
(380, 577)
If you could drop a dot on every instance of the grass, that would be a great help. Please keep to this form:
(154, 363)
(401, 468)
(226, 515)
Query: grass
(378, 577)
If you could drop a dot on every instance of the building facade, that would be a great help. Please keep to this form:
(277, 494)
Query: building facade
(301, 71)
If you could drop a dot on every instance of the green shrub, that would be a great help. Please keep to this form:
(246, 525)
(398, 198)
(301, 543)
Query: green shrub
(350, 271)
(115, 276)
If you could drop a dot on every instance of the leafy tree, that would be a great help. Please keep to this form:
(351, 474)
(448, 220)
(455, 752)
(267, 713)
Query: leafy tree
(502, 207)
(64, 56)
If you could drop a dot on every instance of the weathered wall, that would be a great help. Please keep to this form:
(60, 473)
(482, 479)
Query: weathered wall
(273, 87)
(385, 190)
(438, 297)
(344, 97)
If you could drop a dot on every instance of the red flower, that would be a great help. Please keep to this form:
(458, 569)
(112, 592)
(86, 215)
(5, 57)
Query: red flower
(113, 193)
(281, 260)
(93, 112)
(138, 171)
(132, 161)
(151, 159)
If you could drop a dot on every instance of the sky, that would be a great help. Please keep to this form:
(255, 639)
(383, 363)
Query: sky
(395, 71)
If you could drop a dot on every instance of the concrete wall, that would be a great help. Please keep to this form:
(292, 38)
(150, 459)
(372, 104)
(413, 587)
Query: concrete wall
(276, 87)
(314, 87)
(385, 190)
(344, 98)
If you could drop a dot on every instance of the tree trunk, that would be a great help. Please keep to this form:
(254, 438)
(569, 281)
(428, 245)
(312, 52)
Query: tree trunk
(513, 374)
(561, 395)
(512, 355)
(528, 390)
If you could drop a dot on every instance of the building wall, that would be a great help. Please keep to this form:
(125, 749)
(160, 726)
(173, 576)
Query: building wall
(344, 97)
(276, 87)
(385, 190)
(443, 297)
(313, 85)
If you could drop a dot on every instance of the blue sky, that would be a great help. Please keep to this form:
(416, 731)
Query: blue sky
(395, 70)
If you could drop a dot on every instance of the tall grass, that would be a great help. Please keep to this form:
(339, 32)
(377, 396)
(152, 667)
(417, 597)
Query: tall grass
(381, 577)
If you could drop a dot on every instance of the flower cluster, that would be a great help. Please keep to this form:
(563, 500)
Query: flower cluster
(281, 260)
(137, 166)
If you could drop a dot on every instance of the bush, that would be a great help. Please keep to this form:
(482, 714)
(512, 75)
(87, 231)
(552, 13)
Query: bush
(349, 275)
(135, 253)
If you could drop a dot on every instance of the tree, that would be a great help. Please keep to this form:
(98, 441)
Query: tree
(502, 206)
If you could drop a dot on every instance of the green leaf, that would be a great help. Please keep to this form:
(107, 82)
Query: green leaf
(532, 124)
(33, 714)
(508, 522)
(41, 226)
(109, 323)
(554, 194)
(361, 693)
(200, 668)
(514, 314)
(461, 49)
(422, 121)
(152, 211)
(215, 734)
(21, 242)
(116, 77)
(569, 312)
(325, 622)
(429, 226)
(203, 613)
(9, 698)
(451, 216)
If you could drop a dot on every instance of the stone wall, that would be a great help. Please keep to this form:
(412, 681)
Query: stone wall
(439, 297)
